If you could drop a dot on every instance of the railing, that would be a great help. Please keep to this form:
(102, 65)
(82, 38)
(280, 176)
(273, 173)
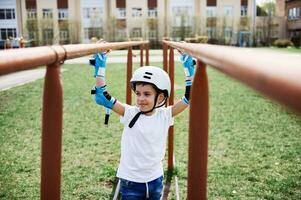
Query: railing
(277, 76)
(53, 56)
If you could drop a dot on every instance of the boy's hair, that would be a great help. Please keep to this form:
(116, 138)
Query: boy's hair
(153, 85)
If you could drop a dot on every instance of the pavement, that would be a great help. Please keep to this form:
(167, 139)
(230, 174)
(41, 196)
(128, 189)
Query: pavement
(117, 56)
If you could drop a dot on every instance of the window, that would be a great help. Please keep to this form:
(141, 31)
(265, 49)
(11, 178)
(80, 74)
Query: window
(152, 12)
(92, 12)
(211, 32)
(121, 13)
(152, 34)
(136, 32)
(136, 12)
(8, 32)
(243, 10)
(228, 32)
(31, 13)
(7, 14)
(211, 11)
(62, 14)
(92, 32)
(121, 34)
(294, 13)
(47, 13)
(228, 11)
(47, 35)
(64, 35)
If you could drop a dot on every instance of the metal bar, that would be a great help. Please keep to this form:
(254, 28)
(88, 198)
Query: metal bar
(51, 134)
(276, 75)
(25, 58)
(141, 55)
(198, 135)
(171, 102)
(165, 61)
(128, 76)
(147, 54)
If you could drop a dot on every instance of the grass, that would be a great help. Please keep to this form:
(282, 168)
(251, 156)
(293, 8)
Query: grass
(287, 50)
(254, 147)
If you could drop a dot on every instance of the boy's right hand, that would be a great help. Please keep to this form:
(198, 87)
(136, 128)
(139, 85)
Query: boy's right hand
(100, 62)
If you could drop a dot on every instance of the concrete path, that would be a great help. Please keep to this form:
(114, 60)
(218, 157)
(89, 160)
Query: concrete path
(20, 78)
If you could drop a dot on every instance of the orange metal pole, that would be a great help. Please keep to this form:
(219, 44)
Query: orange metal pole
(128, 76)
(165, 61)
(141, 55)
(147, 54)
(51, 134)
(171, 102)
(198, 135)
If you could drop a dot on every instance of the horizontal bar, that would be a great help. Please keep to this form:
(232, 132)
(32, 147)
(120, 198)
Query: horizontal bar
(276, 75)
(20, 59)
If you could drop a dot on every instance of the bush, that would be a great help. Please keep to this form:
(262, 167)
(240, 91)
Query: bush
(202, 39)
(282, 43)
(213, 41)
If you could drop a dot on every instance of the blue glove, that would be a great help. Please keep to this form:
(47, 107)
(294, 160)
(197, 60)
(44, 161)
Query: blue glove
(188, 64)
(103, 98)
(100, 64)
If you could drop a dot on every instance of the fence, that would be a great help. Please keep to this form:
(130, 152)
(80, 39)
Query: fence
(278, 76)
(53, 56)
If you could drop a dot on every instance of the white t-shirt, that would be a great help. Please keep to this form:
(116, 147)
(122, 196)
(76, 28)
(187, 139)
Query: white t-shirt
(143, 146)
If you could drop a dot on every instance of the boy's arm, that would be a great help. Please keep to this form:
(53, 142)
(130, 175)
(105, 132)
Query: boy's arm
(102, 97)
(188, 64)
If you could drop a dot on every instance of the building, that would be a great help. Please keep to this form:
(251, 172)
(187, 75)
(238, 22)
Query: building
(272, 26)
(293, 13)
(93, 19)
(10, 26)
(46, 22)
(229, 21)
(50, 22)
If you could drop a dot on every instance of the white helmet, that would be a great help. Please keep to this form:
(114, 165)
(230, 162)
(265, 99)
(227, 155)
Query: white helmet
(154, 75)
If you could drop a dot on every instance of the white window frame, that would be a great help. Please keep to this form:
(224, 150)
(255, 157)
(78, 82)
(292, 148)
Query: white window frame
(8, 11)
(136, 12)
(228, 32)
(47, 33)
(31, 13)
(121, 33)
(7, 30)
(211, 11)
(64, 35)
(152, 34)
(211, 32)
(120, 13)
(243, 11)
(152, 12)
(228, 11)
(63, 14)
(136, 32)
(47, 13)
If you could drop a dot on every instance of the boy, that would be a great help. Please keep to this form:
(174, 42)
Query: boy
(146, 126)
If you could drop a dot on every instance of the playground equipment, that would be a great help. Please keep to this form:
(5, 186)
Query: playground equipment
(272, 74)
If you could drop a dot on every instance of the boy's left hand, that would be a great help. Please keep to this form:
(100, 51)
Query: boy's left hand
(188, 64)
(101, 59)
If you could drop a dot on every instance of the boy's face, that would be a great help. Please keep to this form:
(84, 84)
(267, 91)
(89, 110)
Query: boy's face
(145, 97)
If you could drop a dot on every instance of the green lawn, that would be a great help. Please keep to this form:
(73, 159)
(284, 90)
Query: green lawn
(288, 49)
(254, 147)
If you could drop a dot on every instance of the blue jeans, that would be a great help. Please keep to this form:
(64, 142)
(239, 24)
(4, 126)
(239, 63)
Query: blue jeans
(141, 191)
